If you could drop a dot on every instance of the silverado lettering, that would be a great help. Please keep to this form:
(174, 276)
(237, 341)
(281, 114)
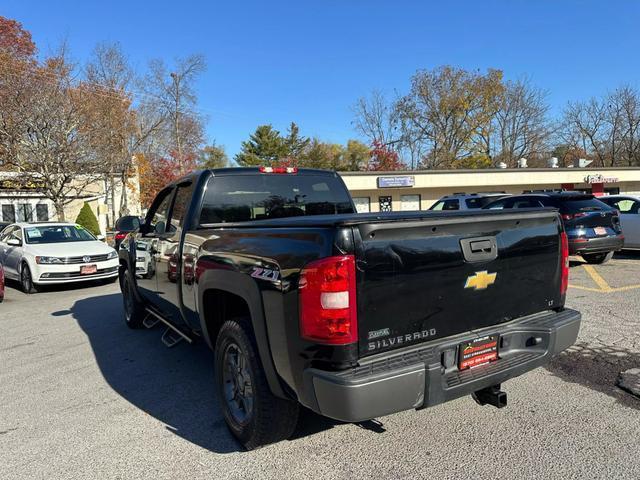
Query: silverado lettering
(409, 337)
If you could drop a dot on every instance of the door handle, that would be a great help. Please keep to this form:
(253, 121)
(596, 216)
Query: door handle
(479, 249)
(481, 246)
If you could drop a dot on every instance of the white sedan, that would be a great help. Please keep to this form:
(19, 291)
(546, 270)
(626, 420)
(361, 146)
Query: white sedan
(629, 208)
(36, 254)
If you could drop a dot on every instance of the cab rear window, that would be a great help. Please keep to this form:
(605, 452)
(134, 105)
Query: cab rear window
(244, 198)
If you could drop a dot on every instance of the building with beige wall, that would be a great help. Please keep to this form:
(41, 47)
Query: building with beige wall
(413, 190)
(21, 201)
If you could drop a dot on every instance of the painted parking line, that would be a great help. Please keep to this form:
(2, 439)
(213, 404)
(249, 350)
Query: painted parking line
(603, 286)
(596, 277)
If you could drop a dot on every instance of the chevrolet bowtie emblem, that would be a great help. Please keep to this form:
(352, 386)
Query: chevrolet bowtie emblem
(480, 280)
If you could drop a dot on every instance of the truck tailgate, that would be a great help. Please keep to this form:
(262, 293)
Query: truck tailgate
(432, 278)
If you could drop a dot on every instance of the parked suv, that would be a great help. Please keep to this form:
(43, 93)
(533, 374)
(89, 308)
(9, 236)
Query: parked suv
(466, 201)
(593, 227)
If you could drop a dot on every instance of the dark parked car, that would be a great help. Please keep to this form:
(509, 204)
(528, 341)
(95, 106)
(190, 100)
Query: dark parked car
(124, 226)
(592, 226)
(355, 316)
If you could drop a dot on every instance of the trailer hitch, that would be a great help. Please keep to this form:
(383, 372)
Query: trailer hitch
(491, 396)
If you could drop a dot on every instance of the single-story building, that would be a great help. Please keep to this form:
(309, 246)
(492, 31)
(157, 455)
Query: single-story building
(22, 201)
(418, 190)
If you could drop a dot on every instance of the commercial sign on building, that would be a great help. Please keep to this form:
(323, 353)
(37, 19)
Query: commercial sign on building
(598, 178)
(396, 181)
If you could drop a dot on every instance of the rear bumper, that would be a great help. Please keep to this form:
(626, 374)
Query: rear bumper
(417, 378)
(596, 245)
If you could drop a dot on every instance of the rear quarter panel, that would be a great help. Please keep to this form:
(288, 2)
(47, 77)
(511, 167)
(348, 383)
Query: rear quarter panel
(272, 259)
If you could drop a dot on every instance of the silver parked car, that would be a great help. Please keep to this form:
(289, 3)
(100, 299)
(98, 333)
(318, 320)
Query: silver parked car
(466, 201)
(629, 208)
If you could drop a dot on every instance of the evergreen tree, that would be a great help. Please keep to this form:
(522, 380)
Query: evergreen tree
(88, 220)
(213, 156)
(265, 147)
(295, 143)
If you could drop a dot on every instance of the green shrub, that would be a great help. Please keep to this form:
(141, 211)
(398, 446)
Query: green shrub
(88, 220)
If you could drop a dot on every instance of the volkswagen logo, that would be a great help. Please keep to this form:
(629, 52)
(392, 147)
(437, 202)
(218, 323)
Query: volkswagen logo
(86, 259)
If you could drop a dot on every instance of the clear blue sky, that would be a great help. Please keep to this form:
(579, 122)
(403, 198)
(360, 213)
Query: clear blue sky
(309, 61)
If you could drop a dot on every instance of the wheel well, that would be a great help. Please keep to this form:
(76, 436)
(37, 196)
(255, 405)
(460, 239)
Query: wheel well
(220, 306)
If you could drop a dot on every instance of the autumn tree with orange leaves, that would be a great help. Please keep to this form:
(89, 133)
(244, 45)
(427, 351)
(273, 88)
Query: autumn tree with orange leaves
(66, 126)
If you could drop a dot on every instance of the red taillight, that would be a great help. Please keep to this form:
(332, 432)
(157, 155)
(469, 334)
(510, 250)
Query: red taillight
(564, 263)
(278, 169)
(327, 292)
(571, 216)
(120, 235)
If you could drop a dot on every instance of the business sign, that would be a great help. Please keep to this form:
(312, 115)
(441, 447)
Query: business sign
(396, 181)
(599, 179)
(20, 184)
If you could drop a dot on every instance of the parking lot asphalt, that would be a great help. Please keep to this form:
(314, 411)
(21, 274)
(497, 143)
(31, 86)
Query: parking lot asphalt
(82, 396)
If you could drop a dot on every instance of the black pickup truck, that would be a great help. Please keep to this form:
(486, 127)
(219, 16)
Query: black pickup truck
(354, 316)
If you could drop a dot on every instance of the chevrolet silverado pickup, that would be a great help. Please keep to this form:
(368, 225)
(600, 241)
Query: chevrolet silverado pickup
(354, 316)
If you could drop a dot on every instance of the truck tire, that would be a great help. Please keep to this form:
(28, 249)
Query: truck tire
(253, 414)
(597, 258)
(134, 311)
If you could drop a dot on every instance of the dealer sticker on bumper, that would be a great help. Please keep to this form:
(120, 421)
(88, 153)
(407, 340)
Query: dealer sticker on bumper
(478, 352)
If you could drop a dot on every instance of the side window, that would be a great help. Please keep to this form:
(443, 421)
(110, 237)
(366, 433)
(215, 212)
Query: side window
(6, 233)
(160, 214)
(451, 204)
(498, 205)
(527, 203)
(627, 206)
(180, 206)
(16, 233)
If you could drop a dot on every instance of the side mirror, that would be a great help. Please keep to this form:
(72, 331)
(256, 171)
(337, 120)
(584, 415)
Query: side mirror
(101, 238)
(14, 242)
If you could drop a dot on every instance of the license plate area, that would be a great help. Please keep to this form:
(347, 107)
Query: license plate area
(600, 231)
(88, 269)
(479, 351)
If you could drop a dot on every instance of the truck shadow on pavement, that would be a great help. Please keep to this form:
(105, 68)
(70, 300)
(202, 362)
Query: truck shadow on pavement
(597, 367)
(175, 386)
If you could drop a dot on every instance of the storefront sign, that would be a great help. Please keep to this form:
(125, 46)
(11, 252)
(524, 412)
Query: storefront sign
(598, 178)
(20, 184)
(398, 181)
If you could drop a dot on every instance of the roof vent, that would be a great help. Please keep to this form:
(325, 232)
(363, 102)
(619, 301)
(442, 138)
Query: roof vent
(502, 165)
(522, 163)
(582, 162)
(552, 162)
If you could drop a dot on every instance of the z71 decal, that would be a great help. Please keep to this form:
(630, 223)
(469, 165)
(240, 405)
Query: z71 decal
(265, 274)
